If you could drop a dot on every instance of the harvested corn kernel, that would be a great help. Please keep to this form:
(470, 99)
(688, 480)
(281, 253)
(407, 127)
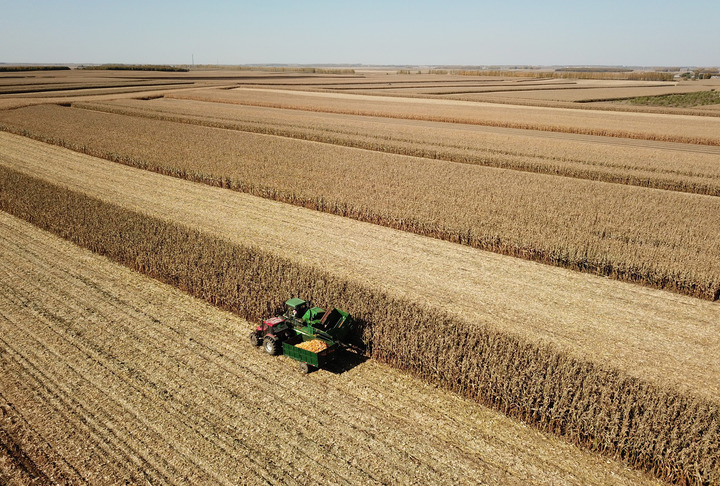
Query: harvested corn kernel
(315, 346)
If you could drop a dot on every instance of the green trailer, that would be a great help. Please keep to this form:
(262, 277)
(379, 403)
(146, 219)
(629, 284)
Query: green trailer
(309, 360)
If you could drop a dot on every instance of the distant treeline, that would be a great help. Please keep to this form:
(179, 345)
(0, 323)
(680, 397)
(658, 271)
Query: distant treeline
(271, 68)
(298, 69)
(579, 73)
(593, 70)
(138, 67)
(11, 69)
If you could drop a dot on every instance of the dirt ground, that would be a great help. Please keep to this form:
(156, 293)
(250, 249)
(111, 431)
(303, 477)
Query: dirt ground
(109, 376)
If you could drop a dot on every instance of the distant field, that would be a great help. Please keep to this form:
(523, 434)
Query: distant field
(700, 98)
(43, 88)
(698, 130)
(679, 167)
(545, 92)
(581, 94)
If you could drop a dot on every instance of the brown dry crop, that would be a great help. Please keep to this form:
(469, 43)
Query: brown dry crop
(659, 427)
(657, 238)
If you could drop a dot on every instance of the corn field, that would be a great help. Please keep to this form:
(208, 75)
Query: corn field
(673, 435)
(661, 239)
(581, 122)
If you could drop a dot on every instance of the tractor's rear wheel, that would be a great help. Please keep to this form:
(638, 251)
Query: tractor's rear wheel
(305, 368)
(254, 339)
(272, 346)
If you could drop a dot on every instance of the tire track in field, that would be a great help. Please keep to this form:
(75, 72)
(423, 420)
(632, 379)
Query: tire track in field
(193, 350)
(112, 439)
(35, 446)
(13, 460)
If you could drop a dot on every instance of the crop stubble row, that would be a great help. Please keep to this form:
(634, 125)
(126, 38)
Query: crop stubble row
(658, 238)
(600, 408)
(97, 355)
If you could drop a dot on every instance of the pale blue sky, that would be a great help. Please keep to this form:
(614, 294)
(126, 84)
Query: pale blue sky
(650, 33)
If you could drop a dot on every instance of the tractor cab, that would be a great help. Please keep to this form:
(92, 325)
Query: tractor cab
(295, 309)
(276, 326)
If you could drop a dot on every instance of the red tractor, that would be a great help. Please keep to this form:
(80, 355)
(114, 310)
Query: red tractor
(273, 331)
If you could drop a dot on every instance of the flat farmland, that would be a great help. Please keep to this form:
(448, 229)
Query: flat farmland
(673, 128)
(164, 388)
(477, 285)
(555, 90)
(548, 92)
(576, 93)
(663, 165)
(602, 321)
(665, 239)
(383, 204)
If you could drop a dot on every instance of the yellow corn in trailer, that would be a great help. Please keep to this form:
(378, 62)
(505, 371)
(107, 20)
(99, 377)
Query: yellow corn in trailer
(315, 346)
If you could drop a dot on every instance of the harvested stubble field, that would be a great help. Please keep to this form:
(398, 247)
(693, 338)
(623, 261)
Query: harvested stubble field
(581, 91)
(559, 91)
(669, 128)
(658, 238)
(601, 362)
(52, 89)
(64, 86)
(109, 376)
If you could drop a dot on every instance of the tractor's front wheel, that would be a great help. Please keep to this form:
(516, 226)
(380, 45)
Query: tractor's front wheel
(272, 346)
(305, 368)
(254, 339)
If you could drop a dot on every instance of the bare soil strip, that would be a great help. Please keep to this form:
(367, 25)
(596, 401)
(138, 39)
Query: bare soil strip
(664, 338)
(122, 378)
